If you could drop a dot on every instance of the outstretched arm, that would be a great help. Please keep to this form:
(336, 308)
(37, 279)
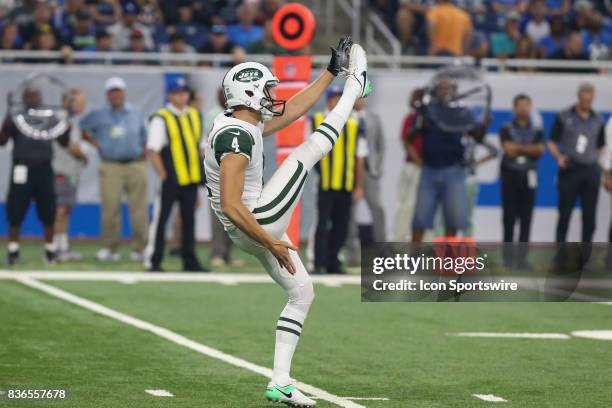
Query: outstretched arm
(300, 103)
(307, 97)
(233, 167)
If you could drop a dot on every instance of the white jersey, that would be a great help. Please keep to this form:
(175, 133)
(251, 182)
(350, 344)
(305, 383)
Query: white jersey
(230, 135)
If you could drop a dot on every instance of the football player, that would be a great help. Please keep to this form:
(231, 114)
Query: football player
(257, 216)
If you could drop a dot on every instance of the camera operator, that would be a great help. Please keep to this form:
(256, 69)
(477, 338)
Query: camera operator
(32, 179)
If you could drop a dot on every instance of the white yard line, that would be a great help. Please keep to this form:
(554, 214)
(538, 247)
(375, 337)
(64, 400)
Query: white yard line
(176, 338)
(362, 398)
(134, 277)
(489, 397)
(545, 336)
(160, 393)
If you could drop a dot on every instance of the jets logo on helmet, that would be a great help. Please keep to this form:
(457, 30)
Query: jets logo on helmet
(248, 75)
(249, 84)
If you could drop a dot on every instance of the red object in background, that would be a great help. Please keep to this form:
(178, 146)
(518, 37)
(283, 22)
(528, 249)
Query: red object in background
(295, 72)
(455, 247)
(293, 26)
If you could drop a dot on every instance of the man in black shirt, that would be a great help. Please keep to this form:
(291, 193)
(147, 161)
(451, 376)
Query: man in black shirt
(576, 141)
(523, 145)
(31, 179)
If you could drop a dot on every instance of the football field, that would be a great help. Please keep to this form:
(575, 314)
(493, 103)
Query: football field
(117, 339)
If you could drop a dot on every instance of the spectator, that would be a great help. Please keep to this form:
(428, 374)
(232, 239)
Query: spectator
(82, 35)
(177, 45)
(67, 165)
(42, 19)
(411, 171)
(523, 145)
(449, 29)
(65, 17)
(340, 183)
(526, 49)
(118, 131)
(137, 42)
(267, 44)
(193, 33)
(582, 12)
(537, 26)
(555, 40)
(31, 178)
(503, 7)
(443, 177)
(219, 43)
(478, 46)
(572, 50)
(104, 41)
(576, 140)
(245, 31)
(559, 7)
(596, 41)
(410, 21)
(121, 30)
(151, 14)
(44, 40)
(172, 147)
(105, 12)
(503, 44)
(10, 37)
(267, 9)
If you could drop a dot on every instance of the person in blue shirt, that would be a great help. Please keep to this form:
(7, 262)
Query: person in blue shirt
(118, 131)
(443, 175)
(245, 31)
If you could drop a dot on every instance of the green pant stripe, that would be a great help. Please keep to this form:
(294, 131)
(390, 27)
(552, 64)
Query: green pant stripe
(286, 319)
(326, 135)
(283, 193)
(282, 211)
(297, 333)
(330, 127)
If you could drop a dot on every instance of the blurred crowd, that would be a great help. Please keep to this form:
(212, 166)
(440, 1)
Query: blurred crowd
(209, 27)
(526, 29)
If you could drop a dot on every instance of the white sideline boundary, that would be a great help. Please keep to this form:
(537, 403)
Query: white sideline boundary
(159, 393)
(176, 338)
(540, 336)
(135, 277)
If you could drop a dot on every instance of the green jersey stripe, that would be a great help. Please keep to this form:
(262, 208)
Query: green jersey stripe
(281, 328)
(331, 140)
(283, 193)
(286, 319)
(282, 211)
(330, 127)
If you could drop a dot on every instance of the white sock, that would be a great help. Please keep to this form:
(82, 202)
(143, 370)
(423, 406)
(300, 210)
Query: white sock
(322, 140)
(13, 246)
(288, 332)
(50, 246)
(61, 242)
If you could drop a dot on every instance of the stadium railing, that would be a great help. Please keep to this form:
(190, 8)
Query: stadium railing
(376, 61)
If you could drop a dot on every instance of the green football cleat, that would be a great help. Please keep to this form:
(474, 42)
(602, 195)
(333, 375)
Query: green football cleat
(289, 395)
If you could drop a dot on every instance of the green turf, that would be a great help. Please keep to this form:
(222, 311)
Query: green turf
(400, 350)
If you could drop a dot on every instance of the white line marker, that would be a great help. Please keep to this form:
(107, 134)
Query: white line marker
(361, 398)
(489, 397)
(177, 338)
(545, 336)
(593, 334)
(160, 393)
(134, 277)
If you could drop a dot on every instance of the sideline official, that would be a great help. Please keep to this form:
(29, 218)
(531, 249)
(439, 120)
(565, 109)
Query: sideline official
(173, 149)
(523, 145)
(576, 140)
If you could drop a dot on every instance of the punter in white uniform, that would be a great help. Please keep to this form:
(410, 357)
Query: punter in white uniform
(256, 216)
